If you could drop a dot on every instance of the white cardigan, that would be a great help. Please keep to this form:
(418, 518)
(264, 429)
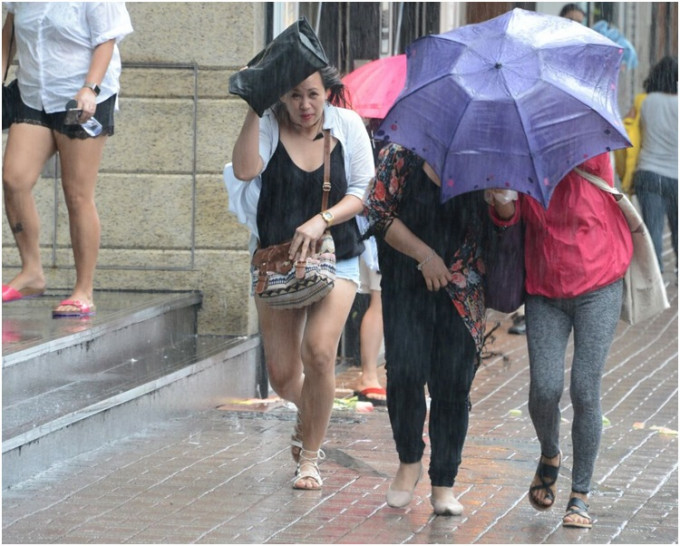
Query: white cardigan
(345, 125)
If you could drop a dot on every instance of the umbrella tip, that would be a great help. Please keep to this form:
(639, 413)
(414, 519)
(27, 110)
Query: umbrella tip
(498, 65)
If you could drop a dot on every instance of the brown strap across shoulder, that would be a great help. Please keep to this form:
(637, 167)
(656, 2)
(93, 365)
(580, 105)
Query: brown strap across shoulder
(326, 169)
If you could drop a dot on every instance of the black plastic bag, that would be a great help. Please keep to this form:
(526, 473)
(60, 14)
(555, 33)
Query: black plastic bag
(289, 59)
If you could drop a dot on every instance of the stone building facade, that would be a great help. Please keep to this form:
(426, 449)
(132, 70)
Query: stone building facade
(160, 194)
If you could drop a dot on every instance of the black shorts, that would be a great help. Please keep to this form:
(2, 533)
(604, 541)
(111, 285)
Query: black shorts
(55, 121)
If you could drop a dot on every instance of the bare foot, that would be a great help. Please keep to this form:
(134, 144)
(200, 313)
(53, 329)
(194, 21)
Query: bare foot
(28, 284)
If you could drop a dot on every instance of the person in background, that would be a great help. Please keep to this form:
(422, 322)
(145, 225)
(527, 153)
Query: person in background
(573, 12)
(656, 177)
(576, 254)
(285, 150)
(432, 265)
(65, 51)
(368, 388)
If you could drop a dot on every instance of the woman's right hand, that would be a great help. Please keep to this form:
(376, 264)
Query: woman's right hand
(435, 273)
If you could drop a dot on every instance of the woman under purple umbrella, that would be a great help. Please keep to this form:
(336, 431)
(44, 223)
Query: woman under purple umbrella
(576, 254)
(432, 263)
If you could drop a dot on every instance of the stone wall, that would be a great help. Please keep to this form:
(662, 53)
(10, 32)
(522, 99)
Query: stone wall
(160, 195)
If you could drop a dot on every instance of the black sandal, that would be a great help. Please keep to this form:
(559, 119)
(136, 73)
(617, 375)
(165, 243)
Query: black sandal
(576, 507)
(548, 476)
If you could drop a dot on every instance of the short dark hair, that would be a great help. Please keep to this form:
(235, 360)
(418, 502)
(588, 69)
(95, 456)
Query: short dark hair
(663, 77)
(570, 7)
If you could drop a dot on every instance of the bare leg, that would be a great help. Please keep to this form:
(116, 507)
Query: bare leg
(28, 148)
(80, 160)
(325, 321)
(282, 337)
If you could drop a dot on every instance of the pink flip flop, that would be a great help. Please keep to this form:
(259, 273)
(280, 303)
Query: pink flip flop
(10, 293)
(82, 309)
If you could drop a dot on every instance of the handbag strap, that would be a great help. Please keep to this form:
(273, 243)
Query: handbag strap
(600, 183)
(630, 213)
(326, 169)
(9, 52)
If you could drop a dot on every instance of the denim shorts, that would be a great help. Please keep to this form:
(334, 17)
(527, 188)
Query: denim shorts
(55, 121)
(344, 269)
(348, 269)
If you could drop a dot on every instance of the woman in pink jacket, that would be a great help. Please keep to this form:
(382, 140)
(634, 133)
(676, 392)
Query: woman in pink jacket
(576, 254)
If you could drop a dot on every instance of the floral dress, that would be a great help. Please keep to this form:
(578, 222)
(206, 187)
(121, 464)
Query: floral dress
(457, 230)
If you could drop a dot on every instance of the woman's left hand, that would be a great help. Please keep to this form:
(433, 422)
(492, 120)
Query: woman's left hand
(87, 102)
(306, 238)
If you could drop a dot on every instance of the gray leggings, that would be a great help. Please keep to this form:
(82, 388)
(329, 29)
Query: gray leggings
(593, 318)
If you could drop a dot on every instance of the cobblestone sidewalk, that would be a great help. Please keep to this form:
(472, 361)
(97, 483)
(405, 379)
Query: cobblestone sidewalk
(224, 475)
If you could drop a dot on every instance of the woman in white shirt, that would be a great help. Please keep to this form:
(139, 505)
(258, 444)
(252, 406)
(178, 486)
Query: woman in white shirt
(65, 51)
(656, 176)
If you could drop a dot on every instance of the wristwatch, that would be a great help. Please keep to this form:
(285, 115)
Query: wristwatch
(94, 87)
(327, 217)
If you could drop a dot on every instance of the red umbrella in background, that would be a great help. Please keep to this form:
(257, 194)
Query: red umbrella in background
(375, 86)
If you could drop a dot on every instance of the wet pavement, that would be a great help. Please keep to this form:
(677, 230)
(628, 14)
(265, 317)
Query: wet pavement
(224, 475)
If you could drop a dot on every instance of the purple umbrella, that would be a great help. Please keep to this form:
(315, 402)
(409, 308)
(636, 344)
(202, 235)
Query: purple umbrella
(514, 102)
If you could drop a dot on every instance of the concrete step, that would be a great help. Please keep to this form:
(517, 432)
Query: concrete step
(72, 385)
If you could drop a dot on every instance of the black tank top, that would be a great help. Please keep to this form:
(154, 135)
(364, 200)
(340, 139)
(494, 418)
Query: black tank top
(290, 196)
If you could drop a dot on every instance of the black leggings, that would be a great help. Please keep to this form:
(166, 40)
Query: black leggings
(426, 342)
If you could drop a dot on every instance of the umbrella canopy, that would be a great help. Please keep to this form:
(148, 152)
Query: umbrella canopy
(514, 102)
(374, 86)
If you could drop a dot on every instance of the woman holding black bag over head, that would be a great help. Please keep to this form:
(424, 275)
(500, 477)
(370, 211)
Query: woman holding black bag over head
(66, 52)
(285, 149)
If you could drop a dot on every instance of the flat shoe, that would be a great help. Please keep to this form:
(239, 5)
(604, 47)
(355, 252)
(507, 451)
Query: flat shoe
(363, 396)
(10, 293)
(82, 309)
(397, 498)
(447, 507)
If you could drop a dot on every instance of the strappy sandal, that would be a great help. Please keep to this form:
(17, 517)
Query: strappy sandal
(547, 474)
(308, 468)
(576, 507)
(296, 439)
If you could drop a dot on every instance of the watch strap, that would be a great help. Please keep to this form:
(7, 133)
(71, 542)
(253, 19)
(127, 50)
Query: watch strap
(95, 88)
